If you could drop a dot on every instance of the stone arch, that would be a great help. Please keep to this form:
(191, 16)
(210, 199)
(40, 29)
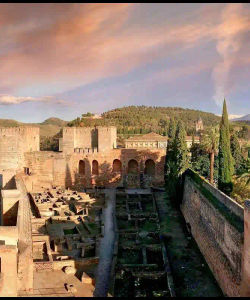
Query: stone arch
(95, 167)
(133, 167)
(117, 166)
(81, 167)
(149, 167)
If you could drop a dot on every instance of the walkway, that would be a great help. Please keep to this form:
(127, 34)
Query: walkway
(106, 246)
(191, 274)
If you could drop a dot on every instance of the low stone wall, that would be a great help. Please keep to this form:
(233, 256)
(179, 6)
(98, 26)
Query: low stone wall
(25, 258)
(217, 225)
(245, 284)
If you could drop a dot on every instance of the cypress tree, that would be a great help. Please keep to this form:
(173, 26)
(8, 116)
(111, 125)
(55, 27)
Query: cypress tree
(236, 153)
(169, 160)
(226, 168)
(171, 132)
(180, 149)
(177, 160)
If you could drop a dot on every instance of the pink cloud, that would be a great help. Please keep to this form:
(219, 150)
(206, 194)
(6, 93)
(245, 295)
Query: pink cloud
(68, 45)
(6, 99)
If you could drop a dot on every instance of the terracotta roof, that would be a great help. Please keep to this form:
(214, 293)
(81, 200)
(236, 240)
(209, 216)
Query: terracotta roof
(152, 136)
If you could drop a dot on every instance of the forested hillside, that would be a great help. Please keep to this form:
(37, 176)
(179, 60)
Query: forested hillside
(143, 119)
(48, 128)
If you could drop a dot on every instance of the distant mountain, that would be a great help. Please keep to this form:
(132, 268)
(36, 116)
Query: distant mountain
(243, 118)
(49, 127)
(9, 123)
(54, 121)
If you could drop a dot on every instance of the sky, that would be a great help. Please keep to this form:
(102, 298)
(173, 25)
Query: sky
(63, 60)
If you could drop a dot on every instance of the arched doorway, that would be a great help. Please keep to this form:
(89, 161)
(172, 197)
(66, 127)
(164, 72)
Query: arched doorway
(132, 167)
(95, 167)
(149, 167)
(117, 166)
(81, 168)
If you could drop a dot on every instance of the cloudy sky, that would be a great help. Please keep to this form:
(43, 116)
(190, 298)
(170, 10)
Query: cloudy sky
(63, 60)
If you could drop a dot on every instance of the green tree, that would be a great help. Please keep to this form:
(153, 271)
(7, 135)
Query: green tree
(177, 161)
(236, 153)
(171, 133)
(226, 167)
(170, 160)
(200, 161)
(243, 132)
(210, 143)
(181, 156)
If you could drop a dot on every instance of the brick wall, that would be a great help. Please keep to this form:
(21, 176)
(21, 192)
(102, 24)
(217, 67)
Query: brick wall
(62, 169)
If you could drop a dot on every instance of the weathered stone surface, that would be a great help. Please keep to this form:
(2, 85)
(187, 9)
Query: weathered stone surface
(86, 279)
(219, 240)
(69, 270)
(71, 288)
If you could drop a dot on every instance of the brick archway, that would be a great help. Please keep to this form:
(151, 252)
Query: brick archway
(81, 167)
(95, 167)
(117, 166)
(149, 167)
(133, 167)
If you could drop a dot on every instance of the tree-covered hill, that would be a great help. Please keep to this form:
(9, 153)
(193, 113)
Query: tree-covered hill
(142, 119)
(48, 128)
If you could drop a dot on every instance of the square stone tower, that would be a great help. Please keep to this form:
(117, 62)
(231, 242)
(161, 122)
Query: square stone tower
(106, 138)
(199, 125)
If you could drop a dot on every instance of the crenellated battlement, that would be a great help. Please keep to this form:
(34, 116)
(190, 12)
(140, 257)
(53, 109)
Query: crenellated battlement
(99, 137)
(14, 142)
(19, 130)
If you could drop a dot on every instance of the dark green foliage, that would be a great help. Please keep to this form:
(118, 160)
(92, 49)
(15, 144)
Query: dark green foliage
(171, 133)
(226, 168)
(237, 155)
(147, 118)
(50, 143)
(180, 149)
(200, 162)
(243, 133)
(177, 160)
(87, 115)
(170, 179)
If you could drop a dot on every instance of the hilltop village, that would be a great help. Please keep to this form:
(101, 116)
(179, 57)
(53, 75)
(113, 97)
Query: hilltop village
(88, 220)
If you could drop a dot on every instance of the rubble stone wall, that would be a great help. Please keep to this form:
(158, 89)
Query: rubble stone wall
(217, 225)
(62, 169)
(14, 142)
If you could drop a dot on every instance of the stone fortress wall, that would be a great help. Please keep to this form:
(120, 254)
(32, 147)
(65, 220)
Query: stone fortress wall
(100, 138)
(216, 221)
(217, 224)
(14, 142)
(63, 169)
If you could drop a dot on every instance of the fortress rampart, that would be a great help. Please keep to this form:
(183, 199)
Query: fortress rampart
(98, 168)
(217, 225)
(101, 138)
(90, 158)
(14, 142)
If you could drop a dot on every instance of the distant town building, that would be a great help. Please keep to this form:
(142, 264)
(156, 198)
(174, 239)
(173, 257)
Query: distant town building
(189, 140)
(199, 125)
(149, 140)
(153, 140)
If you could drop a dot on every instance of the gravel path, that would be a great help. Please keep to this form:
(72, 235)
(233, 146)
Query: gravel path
(106, 247)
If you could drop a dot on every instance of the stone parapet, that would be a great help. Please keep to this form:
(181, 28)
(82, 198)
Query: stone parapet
(245, 285)
(217, 225)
